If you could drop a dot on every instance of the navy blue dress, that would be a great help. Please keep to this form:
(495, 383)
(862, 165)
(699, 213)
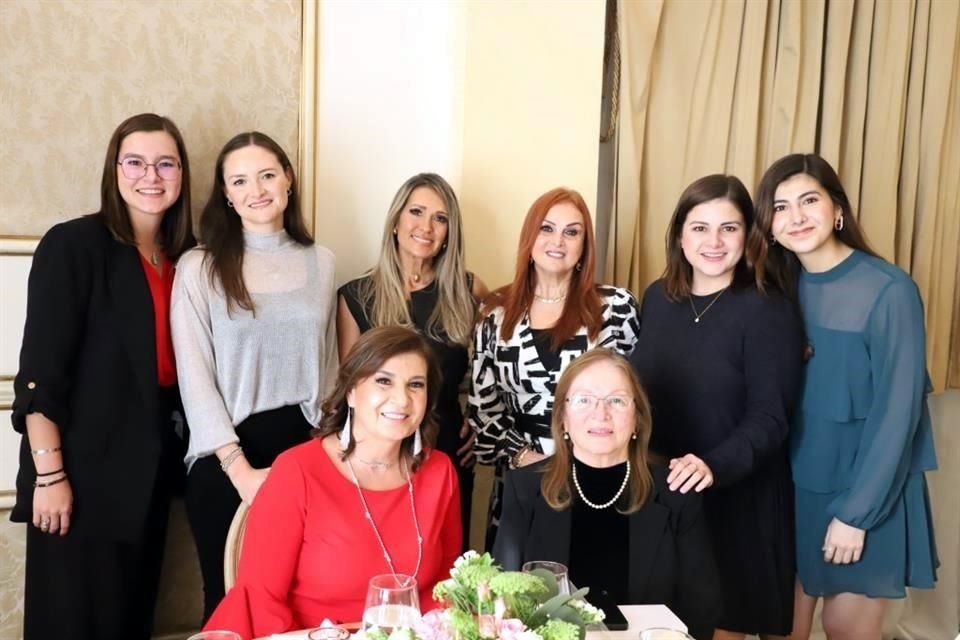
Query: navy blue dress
(862, 437)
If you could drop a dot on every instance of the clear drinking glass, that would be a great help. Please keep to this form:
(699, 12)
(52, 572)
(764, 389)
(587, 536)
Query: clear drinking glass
(663, 633)
(215, 635)
(392, 602)
(559, 572)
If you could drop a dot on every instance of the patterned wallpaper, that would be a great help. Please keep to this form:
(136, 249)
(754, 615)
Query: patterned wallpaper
(74, 69)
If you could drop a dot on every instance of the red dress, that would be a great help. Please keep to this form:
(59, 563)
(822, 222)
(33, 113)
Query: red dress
(309, 551)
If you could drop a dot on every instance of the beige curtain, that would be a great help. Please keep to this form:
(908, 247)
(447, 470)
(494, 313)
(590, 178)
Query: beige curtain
(732, 85)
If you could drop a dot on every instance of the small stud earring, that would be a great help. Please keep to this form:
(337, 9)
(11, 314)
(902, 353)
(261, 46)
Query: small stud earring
(230, 203)
(566, 436)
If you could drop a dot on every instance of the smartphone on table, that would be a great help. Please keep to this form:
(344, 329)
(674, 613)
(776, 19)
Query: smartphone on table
(613, 617)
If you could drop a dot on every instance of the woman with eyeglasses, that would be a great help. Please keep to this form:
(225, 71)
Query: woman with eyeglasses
(254, 331)
(96, 396)
(720, 360)
(532, 329)
(600, 508)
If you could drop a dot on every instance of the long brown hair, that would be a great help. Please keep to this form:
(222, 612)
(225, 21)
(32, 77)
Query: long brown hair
(555, 484)
(771, 262)
(176, 228)
(582, 306)
(221, 229)
(454, 314)
(367, 356)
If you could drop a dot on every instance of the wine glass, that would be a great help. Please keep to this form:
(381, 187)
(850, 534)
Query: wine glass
(392, 602)
(663, 633)
(216, 635)
(557, 570)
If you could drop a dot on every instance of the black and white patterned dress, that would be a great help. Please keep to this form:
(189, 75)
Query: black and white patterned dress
(513, 382)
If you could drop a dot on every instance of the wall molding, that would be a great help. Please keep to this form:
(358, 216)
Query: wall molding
(6, 393)
(18, 245)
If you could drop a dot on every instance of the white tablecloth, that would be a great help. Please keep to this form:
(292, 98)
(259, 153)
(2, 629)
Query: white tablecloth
(639, 617)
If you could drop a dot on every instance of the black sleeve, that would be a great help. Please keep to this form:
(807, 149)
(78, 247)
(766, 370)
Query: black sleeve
(697, 599)
(772, 361)
(514, 521)
(351, 295)
(58, 290)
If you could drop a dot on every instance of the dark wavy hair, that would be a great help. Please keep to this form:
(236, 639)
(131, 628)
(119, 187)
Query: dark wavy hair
(367, 356)
(678, 275)
(771, 262)
(176, 228)
(221, 229)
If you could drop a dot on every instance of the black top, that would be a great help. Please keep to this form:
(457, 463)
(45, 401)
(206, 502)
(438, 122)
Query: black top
(720, 388)
(599, 536)
(549, 357)
(451, 357)
(88, 362)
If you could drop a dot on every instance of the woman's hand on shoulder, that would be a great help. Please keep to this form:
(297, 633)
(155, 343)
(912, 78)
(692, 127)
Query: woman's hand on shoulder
(52, 507)
(689, 472)
(843, 543)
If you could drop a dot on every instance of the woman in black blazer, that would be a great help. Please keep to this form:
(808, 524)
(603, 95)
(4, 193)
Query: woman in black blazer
(96, 396)
(598, 507)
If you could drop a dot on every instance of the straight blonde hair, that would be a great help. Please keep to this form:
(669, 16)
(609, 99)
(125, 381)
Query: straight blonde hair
(453, 317)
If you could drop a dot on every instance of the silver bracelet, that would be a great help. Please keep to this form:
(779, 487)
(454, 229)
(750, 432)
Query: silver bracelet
(41, 452)
(230, 457)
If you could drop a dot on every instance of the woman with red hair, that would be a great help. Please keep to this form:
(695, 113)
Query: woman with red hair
(532, 328)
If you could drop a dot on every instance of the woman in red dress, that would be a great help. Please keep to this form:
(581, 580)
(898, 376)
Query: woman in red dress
(363, 498)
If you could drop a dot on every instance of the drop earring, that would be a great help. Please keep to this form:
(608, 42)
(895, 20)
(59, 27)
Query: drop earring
(345, 431)
(417, 443)
(838, 224)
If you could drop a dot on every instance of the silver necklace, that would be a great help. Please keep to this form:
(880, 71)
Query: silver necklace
(549, 300)
(376, 531)
(375, 464)
(623, 486)
(697, 316)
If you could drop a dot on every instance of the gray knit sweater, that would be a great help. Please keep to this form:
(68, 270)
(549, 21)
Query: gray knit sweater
(230, 366)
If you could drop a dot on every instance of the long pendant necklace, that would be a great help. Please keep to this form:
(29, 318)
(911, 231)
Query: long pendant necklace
(376, 531)
(623, 486)
(697, 316)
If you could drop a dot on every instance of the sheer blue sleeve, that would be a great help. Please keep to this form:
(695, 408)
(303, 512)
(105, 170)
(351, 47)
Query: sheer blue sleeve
(895, 340)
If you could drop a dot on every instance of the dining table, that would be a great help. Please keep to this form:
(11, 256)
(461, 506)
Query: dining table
(639, 617)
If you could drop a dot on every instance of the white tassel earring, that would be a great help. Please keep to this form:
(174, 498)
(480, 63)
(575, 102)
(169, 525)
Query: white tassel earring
(417, 443)
(345, 432)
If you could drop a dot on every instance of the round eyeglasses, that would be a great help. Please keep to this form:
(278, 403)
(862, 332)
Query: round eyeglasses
(585, 402)
(136, 168)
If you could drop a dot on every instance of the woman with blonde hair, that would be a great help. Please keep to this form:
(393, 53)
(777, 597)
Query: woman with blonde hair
(599, 507)
(534, 327)
(420, 281)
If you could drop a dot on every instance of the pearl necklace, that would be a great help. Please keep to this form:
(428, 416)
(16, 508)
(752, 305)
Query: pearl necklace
(376, 531)
(623, 485)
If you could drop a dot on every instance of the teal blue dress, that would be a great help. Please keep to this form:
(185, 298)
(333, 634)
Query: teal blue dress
(862, 439)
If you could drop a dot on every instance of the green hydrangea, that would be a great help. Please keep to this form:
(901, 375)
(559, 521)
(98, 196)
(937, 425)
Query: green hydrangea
(470, 575)
(514, 583)
(558, 630)
(464, 624)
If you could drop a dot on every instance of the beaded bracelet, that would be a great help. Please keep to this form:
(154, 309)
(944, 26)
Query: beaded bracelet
(40, 485)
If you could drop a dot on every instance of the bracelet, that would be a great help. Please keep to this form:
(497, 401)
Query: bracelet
(230, 457)
(50, 473)
(42, 452)
(40, 485)
(518, 457)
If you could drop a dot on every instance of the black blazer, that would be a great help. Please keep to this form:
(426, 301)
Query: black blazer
(88, 363)
(670, 557)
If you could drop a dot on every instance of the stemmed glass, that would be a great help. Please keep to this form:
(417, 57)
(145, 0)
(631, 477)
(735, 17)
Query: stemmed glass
(392, 602)
(557, 570)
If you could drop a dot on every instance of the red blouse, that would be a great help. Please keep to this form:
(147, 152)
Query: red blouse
(309, 551)
(161, 286)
